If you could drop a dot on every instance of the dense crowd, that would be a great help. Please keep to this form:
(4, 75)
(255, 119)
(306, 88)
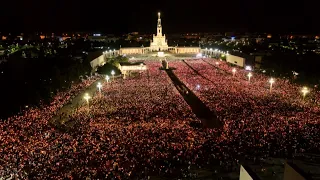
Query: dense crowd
(141, 127)
(257, 121)
(24, 136)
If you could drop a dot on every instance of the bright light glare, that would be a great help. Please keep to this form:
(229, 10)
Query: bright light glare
(99, 85)
(86, 96)
(248, 68)
(271, 81)
(199, 55)
(304, 91)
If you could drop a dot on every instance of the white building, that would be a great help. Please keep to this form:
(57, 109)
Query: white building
(127, 68)
(159, 42)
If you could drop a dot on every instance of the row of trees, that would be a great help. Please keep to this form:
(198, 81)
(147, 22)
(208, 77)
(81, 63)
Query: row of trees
(112, 65)
(27, 81)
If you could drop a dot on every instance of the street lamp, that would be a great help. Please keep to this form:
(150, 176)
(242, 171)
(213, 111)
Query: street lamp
(99, 86)
(112, 73)
(107, 78)
(271, 81)
(234, 71)
(304, 91)
(249, 75)
(198, 87)
(141, 65)
(87, 97)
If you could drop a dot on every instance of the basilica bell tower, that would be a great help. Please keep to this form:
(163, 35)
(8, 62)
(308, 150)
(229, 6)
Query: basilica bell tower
(159, 27)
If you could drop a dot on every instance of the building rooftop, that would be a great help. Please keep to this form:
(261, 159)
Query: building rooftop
(269, 169)
(188, 47)
(131, 47)
(307, 165)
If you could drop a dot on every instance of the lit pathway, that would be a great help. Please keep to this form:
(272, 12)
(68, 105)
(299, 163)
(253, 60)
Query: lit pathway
(69, 108)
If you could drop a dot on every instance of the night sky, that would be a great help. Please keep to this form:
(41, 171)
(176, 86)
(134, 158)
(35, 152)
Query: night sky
(177, 16)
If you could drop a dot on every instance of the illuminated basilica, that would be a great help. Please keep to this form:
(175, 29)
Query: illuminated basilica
(159, 44)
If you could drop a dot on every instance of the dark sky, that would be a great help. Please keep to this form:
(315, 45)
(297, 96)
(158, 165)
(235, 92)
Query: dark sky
(177, 15)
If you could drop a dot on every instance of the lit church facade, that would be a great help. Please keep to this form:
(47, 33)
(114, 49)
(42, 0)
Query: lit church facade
(159, 44)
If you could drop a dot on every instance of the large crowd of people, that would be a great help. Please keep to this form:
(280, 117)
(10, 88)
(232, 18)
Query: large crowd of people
(141, 127)
(24, 135)
(257, 121)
